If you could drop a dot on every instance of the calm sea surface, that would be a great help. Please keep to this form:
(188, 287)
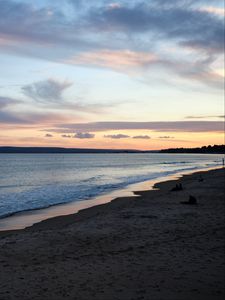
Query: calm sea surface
(32, 181)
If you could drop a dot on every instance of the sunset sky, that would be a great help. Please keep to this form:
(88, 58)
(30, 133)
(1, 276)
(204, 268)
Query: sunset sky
(101, 74)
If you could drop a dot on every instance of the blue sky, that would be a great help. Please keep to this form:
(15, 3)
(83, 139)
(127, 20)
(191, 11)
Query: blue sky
(72, 62)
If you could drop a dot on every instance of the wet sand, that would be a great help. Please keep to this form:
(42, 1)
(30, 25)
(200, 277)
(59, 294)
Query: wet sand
(147, 247)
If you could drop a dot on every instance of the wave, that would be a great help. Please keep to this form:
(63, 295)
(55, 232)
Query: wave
(50, 195)
(176, 162)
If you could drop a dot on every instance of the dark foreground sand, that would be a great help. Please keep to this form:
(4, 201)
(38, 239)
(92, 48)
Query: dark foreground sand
(149, 247)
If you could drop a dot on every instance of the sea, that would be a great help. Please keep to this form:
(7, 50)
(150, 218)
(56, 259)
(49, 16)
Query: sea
(35, 181)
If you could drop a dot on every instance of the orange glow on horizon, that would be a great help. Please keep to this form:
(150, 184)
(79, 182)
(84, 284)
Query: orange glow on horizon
(157, 140)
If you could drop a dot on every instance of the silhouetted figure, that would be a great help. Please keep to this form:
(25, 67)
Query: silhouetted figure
(223, 162)
(177, 188)
(192, 201)
(200, 179)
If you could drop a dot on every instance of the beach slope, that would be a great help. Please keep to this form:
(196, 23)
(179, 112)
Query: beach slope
(147, 247)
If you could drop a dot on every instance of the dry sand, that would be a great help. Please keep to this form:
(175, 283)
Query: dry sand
(147, 247)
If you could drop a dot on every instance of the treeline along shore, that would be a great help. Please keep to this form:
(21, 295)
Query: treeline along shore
(216, 149)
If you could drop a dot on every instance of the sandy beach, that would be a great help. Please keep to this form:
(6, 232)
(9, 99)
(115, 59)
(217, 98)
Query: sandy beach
(146, 247)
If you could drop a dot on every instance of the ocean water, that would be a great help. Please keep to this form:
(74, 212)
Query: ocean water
(33, 181)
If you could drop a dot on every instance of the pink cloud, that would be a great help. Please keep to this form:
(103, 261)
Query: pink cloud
(114, 59)
(213, 10)
(172, 126)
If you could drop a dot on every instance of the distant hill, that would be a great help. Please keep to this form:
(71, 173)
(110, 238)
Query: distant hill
(220, 149)
(216, 149)
(8, 149)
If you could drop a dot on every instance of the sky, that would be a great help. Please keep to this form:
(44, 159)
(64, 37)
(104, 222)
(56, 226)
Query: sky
(130, 74)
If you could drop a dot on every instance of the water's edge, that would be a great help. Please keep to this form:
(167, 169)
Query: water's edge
(24, 219)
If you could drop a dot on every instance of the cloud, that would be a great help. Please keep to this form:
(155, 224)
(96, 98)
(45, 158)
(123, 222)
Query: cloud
(116, 136)
(213, 10)
(144, 137)
(84, 135)
(204, 117)
(6, 102)
(114, 5)
(14, 111)
(81, 105)
(127, 61)
(7, 116)
(47, 90)
(48, 135)
(117, 35)
(10, 118)
(170, 126)
(51, 91)
(166, 137)
(50, 25)
(29, 118)
(181, 23)
(45, 31)
(68, 136)
(114, 59)
(199, 70)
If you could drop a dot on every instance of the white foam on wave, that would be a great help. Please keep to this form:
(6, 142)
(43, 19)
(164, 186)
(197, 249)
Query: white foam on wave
(35, 195)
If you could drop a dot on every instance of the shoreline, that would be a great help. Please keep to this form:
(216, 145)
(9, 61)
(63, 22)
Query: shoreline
(25, 219)
(146, 247)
